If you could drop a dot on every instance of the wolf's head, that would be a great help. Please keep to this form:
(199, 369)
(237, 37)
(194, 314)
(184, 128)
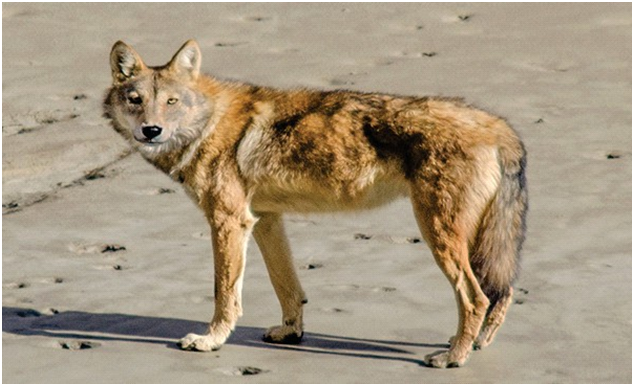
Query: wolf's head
(157, 108)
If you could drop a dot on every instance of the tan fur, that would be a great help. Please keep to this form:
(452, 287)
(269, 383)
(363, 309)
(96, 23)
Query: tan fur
(246, 154)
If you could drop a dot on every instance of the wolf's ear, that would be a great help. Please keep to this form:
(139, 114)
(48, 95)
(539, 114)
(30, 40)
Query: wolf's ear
(125, 62)
(187, 60)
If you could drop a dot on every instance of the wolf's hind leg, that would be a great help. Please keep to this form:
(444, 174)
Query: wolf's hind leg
(494, 319)
(449, 245)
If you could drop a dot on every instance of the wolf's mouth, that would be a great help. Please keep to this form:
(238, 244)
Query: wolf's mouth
(146, 141)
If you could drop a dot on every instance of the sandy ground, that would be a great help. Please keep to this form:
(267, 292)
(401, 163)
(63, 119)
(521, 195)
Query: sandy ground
(106, 262)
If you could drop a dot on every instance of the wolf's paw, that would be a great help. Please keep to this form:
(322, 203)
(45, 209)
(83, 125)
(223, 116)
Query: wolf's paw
(486, 336)
(193, 342)
(283, 334)
(482, 341)
(444, 359)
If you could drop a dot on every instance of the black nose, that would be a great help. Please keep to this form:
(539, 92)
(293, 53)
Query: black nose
(151, 131)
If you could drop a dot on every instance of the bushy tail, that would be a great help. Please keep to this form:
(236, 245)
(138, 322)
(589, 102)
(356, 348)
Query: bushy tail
(496, 253)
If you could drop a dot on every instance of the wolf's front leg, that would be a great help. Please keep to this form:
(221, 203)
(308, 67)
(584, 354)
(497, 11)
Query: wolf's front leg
(230, 233)
(271, 239)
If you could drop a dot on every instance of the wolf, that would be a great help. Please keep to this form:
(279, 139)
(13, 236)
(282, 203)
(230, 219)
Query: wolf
(247, 154)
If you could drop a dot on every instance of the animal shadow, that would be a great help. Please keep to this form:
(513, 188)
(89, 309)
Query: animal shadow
(86, 326)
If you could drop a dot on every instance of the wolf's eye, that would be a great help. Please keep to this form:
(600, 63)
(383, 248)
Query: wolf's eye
(135, 99)
(172, 101)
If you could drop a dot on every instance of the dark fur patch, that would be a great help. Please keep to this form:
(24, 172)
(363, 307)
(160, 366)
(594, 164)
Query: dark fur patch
(287, 124)
(381, 136)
